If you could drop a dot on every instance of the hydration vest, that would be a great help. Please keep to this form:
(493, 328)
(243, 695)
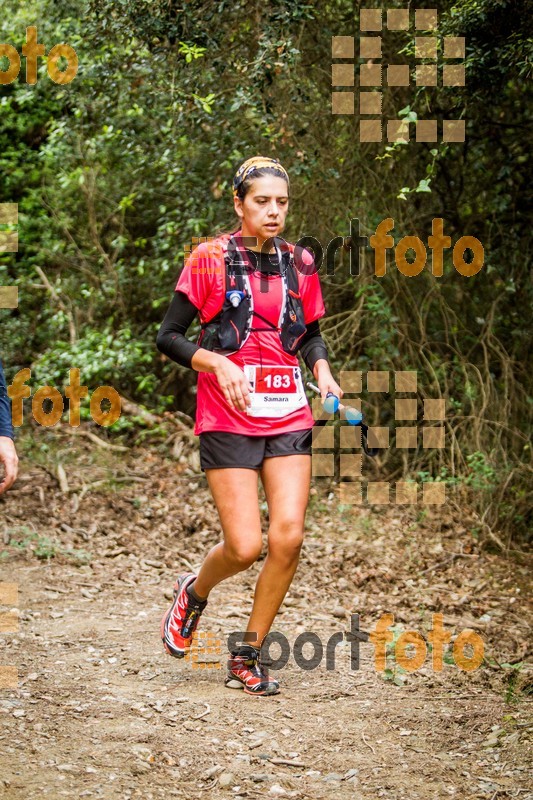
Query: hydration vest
(228, 330)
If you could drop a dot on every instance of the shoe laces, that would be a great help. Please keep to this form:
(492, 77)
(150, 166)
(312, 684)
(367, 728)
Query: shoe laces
(192, 615)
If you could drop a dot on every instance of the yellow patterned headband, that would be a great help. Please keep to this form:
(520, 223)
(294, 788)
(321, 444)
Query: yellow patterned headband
(252, 164)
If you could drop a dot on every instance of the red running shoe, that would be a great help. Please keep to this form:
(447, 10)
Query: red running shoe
(180, 621)
(246, 670)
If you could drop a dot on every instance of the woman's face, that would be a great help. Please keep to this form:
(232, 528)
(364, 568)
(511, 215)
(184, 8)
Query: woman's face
(264, 209)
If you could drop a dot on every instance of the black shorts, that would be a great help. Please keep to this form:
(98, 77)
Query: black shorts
(222, 450)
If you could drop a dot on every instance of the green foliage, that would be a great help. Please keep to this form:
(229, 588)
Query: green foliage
(103, 357)
(515, 691)
(393, 671)
(115, 172)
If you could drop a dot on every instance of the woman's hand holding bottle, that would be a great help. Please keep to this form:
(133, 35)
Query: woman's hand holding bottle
(326, 382)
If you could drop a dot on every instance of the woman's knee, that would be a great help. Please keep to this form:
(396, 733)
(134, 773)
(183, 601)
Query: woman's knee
(244, 554)
(286, 539)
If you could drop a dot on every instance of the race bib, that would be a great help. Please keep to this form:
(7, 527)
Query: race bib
(275, 391)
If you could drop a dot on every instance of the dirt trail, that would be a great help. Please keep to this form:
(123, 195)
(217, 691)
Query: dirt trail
(102, 711)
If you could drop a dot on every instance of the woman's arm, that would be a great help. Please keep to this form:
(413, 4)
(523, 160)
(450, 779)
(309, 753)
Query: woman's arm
(171, 336)
(315, 355)
(172, 342)
(312, 347)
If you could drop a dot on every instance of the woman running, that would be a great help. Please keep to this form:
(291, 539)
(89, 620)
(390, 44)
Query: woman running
(259, 302)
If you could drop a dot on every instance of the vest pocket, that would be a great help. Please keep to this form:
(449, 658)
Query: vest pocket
(294, 326)
(208, 337)
(234, 324)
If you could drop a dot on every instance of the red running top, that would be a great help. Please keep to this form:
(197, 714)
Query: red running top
(203, 281)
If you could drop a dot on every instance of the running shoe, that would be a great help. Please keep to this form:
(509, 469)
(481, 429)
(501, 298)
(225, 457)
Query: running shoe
(180, 621)
(246, 670)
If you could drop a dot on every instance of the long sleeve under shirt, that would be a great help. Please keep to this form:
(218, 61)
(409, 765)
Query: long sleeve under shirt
(6, 428)
(171, 338)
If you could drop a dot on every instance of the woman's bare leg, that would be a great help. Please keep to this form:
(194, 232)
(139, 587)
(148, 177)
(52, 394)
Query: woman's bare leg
(286, 480)
(236, 498)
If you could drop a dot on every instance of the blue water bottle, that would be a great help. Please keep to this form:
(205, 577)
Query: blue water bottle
(235, 297)
(331, 403)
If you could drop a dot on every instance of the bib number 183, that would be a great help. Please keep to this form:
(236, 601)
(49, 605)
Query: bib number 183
(275, 380)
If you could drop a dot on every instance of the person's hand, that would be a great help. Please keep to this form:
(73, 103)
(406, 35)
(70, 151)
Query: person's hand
(326, 381)
(233, 383)
(9, 458)
(329, 385)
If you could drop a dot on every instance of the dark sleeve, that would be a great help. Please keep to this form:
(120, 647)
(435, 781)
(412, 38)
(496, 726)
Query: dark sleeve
(171, 337)
(312, 346)
(6, 428)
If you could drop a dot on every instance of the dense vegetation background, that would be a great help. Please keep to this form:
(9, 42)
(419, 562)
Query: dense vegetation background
(115, 172)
